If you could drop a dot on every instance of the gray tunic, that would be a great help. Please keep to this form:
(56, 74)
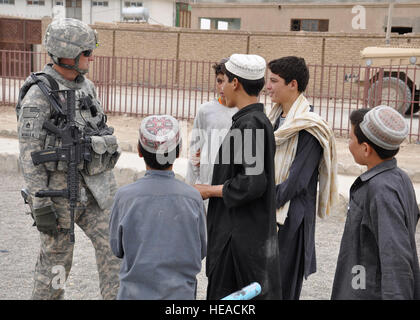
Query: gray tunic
(158, 228)
(211, 124)
(378, 255)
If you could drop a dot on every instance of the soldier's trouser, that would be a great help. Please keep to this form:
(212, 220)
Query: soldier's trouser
(56, 254)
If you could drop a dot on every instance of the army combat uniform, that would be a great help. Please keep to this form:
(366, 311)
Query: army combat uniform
(96, 179)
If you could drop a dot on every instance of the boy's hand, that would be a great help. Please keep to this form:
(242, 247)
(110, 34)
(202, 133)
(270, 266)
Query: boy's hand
(195, 159)
(208, 191)
(204, 190)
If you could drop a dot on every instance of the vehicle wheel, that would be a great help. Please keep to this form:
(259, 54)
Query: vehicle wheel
(392, 88)
(416, 107)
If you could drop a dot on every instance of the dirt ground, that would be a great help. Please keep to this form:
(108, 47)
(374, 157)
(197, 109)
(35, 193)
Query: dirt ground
(19, 241)
(19, 248)
(126, 130)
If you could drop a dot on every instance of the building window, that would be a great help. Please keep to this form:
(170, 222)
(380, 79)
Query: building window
(401, 30)
(220, 23)
(59, 3)
(7, 1)
(309, 25)
(73, 4)
(35, 2)
(205, 24)
(100, 3)
(133, 4)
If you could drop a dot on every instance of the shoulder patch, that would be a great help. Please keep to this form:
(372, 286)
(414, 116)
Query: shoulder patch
(30, 112)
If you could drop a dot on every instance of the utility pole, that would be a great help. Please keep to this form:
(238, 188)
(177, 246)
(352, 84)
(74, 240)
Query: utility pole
(389, 24)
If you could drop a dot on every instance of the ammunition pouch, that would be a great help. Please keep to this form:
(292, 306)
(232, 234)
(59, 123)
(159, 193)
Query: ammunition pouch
(50, 142)
(105, 154)
(46, 220)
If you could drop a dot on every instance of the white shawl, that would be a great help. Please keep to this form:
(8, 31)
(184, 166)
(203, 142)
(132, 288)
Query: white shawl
(286, 137)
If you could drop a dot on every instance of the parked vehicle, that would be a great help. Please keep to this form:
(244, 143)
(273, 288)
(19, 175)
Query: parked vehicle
(393, 76)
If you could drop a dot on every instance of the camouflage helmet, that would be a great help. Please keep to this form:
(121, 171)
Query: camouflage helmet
(68, 38)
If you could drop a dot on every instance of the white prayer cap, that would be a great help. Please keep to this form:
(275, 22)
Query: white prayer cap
(385, 127)
(159, 133)
(246, 66)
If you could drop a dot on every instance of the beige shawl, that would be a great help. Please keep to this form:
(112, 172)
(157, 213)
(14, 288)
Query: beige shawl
(300, 118)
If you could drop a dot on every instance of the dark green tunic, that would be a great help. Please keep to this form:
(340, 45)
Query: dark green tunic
(242, 238)
(378, 255)
(297, 235)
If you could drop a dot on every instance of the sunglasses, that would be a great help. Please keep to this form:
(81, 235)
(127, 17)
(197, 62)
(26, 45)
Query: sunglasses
(87, 53)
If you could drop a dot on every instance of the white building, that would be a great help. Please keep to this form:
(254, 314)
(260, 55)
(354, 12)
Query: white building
(161, 12)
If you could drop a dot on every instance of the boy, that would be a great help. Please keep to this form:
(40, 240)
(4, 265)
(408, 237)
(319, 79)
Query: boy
(211, 124)
(157, 223)
(305, 154)
(378, 255)
(242, 244)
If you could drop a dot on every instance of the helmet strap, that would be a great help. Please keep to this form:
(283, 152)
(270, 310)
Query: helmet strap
(57, 61)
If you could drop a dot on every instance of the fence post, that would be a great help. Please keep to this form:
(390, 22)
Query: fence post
(2, 75)
(378, 88)
(178, 39)
(366, 87)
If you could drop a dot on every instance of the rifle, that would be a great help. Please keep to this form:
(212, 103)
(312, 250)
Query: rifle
(75, 149)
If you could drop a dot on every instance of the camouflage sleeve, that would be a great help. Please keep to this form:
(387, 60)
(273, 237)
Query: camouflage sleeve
(35, 110)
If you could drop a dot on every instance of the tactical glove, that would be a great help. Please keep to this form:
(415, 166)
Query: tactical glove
(46, 220)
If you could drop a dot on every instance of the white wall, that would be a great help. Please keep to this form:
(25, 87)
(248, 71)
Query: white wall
(161, 11)
(111, 13)
(58, 11)
(107, 14)
(21, 9)
(86, 16)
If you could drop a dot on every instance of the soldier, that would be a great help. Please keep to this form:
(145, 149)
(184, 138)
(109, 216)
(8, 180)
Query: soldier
(70, 44)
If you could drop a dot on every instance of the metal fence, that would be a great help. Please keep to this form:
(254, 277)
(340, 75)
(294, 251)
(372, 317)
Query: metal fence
(140, 86)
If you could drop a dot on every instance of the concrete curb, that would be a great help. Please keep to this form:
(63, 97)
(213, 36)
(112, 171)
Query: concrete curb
(10, 164)
(8, 134)
(351, 169)
(125, 176)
